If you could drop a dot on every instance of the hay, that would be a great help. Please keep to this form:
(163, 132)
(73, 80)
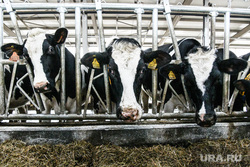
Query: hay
(80, 153)
(17, 153)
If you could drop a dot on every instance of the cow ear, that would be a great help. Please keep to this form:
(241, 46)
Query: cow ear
(11, 48)
(95, 59)
(232, 66)
(242, 85)
(156, 59)
(170, 71)
(60, 35)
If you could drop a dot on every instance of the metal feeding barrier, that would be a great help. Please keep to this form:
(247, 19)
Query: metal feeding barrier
(82, 9)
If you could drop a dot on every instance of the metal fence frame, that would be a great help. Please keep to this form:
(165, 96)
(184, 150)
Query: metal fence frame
(138, 8)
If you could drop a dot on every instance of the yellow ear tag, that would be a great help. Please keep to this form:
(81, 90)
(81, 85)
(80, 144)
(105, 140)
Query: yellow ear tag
(152, 65)
(95, 64)
(171, 75)
(247, 77)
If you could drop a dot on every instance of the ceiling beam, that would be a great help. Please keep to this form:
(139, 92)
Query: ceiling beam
(176, 19)
(238, 35)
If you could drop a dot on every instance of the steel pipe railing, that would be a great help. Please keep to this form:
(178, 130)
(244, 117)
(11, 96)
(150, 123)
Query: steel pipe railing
(213, 29)
(127, 6)
(2, 84)
(226, 79)
(62, 12)
(155, 71)
(175, 46)
(77, 59)
(114, 117)
(103, 49)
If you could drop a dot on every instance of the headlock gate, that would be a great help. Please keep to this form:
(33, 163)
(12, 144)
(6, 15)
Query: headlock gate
(81, 11)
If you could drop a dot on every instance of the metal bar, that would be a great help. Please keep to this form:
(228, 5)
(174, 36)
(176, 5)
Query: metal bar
(2, 84)
(77, 59)
(113, 116)
(62, 11)
(88, 92)
(24, 93)
(213, 28)
(154, 72)
(14, 21)
(205, 36)
(128, 6)
(85, 45)
(175, 45)
(164, 96)
(103, 49)
(11, 87)
(139, 12)
(226, 79)
(99, 97)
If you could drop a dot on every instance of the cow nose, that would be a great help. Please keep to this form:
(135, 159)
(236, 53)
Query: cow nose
(206, 120)
(42, 87)
(128, 114)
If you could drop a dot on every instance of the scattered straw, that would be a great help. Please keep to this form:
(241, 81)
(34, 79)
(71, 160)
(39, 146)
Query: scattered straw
(80, 153)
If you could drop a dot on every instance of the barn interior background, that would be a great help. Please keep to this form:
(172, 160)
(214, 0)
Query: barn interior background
(124, 23)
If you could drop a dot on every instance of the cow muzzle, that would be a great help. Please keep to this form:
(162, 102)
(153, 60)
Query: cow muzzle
(42, 87)
(205, 120)
(128, 114)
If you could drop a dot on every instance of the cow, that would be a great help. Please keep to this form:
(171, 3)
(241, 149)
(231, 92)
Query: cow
(43, 53)
(203, 75)
(127, 64)
(243, 85)
(18, 101)
(186, 45)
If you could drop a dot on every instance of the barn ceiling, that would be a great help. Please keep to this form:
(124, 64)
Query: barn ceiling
(124, 23)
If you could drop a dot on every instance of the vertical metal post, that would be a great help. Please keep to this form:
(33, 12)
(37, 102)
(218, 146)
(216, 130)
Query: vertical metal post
(77, 59)
(205, 37)
(2, 85)
(14, 21)
(85, 33)
(175, 44)
(62, 12)
(213, 24)
(154, 72)
(11, 88)
(139, 12)
(103, 49)
(226, 79)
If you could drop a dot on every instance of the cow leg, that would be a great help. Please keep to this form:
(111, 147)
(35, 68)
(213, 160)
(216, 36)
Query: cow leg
(144, 98)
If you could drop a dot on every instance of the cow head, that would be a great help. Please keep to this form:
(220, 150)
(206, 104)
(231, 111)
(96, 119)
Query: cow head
(203, 77)
(44, 52)
(127, 62)
(244, 86)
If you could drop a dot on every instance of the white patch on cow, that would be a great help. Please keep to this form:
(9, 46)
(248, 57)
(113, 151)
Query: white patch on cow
(202, 64)
(127, 56)
(34, 46)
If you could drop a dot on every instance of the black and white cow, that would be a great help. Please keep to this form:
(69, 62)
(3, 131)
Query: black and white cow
(127, 64)
(203, 76)
(44, 52)
(186, 45)
(243, 85)
(18, 100)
